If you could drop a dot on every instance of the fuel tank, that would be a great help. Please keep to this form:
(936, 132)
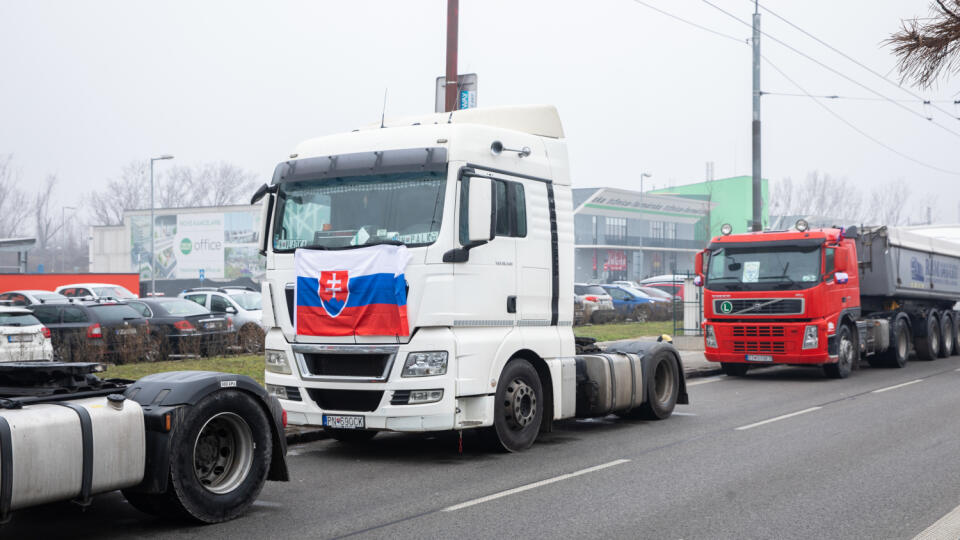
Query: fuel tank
(608, 382)
(52, 447)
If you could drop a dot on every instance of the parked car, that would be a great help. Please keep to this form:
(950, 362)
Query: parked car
(243, 304)
(669, 283)
(27, 297)
(95, 291)
(630, 303)
(96, 331)
(22, 337)
(625, 283)
(179, 326)
(597, 304)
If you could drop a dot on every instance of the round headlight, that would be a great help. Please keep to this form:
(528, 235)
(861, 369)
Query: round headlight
(802, 225)
(726, 229)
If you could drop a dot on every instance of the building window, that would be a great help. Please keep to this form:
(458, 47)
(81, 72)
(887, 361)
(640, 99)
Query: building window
(616, 229)
(656, 230)
(671, 231)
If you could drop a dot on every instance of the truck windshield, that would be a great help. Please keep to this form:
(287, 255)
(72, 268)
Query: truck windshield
(359, 211)
(763, 268)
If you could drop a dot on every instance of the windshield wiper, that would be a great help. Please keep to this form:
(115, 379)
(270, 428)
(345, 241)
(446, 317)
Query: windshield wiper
(735, 282)
(383, 242)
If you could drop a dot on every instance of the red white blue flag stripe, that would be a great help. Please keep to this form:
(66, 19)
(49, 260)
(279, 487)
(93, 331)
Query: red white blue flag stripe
(351, 292)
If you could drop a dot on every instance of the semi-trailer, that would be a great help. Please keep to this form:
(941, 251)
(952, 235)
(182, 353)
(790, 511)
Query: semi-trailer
(828, 297)
(420, 278)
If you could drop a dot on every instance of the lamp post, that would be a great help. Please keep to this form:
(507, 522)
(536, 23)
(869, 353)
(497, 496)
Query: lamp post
(153, 258)
(63, 242)
(642, 176)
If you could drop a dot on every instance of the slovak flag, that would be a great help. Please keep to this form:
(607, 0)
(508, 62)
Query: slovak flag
(351, 292)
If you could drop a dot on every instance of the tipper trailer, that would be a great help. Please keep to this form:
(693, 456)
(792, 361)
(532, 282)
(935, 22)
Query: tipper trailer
(828, 297)
(470, 214)
(192, 445)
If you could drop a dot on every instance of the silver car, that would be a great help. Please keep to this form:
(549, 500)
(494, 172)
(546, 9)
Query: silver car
(242, 304)
(597, 303)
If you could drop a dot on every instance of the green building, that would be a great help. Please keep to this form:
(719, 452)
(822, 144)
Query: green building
(731, 198)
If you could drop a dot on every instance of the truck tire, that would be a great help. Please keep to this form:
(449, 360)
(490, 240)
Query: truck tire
(928, 346)
(219, 460)
(946, 335)
(518, 407)
(847, 355)
(663, 387)
(898, 353)
(734, 370)
(350, 436)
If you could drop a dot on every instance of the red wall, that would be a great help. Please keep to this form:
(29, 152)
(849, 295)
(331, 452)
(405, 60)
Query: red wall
(49, 282)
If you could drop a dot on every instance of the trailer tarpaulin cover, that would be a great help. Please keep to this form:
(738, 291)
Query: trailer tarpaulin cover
(351, 292)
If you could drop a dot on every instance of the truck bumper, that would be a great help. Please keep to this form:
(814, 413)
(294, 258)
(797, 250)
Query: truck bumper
(768, 343)
(381, 401)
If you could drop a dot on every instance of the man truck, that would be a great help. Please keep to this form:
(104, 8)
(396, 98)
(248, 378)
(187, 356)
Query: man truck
(828, 297)
(475, 207)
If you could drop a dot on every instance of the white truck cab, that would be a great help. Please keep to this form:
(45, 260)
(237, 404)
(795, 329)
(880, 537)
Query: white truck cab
(481, 199)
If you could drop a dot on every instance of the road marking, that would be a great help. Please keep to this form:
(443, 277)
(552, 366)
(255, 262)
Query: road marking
(946, 527)
(534, 485)
(894, 387)
(675, 413)
(713, 379)
(781, 417)
(958, 369)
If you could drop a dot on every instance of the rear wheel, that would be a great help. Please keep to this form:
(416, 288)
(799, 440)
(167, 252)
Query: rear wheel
(847, 355)
(946, 336)
(518, 406)
(928, 346)
(898, 353)
(663, 387)
(734, 370)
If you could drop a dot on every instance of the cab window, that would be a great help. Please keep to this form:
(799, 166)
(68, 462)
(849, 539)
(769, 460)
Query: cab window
(828, 261)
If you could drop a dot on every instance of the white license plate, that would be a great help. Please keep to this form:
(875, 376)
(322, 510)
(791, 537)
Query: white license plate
(339, 421)
(759, 358)
(210, 325)
(19, 338)
(126, 331)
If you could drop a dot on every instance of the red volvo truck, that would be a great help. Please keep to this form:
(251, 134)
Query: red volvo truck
(828, 297)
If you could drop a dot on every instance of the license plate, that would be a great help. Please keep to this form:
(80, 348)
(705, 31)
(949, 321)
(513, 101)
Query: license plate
(759, 358)
(19, 338)
(210, 325)
(343, 422)
(126, 331)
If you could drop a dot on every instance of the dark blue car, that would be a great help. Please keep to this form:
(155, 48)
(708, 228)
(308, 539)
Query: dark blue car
(633, 304)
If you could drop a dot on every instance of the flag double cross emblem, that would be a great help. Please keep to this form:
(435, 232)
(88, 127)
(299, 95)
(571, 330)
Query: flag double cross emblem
(334, 290)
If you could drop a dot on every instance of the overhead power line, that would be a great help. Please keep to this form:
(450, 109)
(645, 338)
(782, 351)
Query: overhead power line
(742, 41)
(834, 71)
(885, 78)
(853, 126)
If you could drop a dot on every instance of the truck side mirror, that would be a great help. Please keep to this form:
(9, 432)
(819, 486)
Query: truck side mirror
(266, 210)
(698, 268)
(840, 260)
(480, 210)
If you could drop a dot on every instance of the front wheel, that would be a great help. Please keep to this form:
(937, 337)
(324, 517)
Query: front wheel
(846, 356)
(518, 409)
(219, 460)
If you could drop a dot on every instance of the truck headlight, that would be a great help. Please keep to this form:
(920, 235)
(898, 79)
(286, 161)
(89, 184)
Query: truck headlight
(276, 362)
(711, 337)
(425, 396)
(424, 364)
(279, 391)
(811, 337)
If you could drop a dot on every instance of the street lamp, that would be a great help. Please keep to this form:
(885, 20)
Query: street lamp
(642, 176)
(63, 240)
(153, 259)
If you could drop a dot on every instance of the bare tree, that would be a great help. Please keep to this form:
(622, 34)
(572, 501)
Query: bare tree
(927, 47)
(47, 223)
(14, 209)
(887, 204)
(818, 195)
(129, 191)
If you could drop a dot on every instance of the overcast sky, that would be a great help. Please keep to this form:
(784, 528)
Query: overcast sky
(89, 86)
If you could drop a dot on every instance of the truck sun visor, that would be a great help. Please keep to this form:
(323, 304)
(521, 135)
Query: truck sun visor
(361, 163)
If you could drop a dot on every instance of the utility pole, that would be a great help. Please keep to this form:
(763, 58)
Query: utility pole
(453, 18)
(757, 194)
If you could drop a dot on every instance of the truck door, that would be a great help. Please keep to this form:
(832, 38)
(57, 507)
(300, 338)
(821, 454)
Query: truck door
(534, 256)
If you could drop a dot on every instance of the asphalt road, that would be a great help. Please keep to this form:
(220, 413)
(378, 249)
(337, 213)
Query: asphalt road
(781, 453)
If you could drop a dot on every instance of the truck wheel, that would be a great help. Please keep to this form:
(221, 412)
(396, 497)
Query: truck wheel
(846, 355)
(928, 346)
(350, 436)
(734, 370)
(898, 353)
(219, 460)
(518, 409)
(955, 317)
(663, 386)
(946, 336)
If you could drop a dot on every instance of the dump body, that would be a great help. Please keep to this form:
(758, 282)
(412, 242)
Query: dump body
(898, 264)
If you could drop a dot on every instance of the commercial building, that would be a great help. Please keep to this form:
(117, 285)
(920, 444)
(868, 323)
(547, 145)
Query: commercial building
(731, 201)
(215, 242)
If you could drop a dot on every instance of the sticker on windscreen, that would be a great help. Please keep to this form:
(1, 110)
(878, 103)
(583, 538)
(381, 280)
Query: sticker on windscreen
(751, 271)
(809, 277)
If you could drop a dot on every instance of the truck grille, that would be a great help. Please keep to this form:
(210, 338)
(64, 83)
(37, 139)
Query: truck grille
(347, 365)
(758, 331)
(760, 347)
(759, 306)
(346, 400)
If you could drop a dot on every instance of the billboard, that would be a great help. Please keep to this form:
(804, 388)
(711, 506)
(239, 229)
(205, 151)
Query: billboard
(221, 244)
